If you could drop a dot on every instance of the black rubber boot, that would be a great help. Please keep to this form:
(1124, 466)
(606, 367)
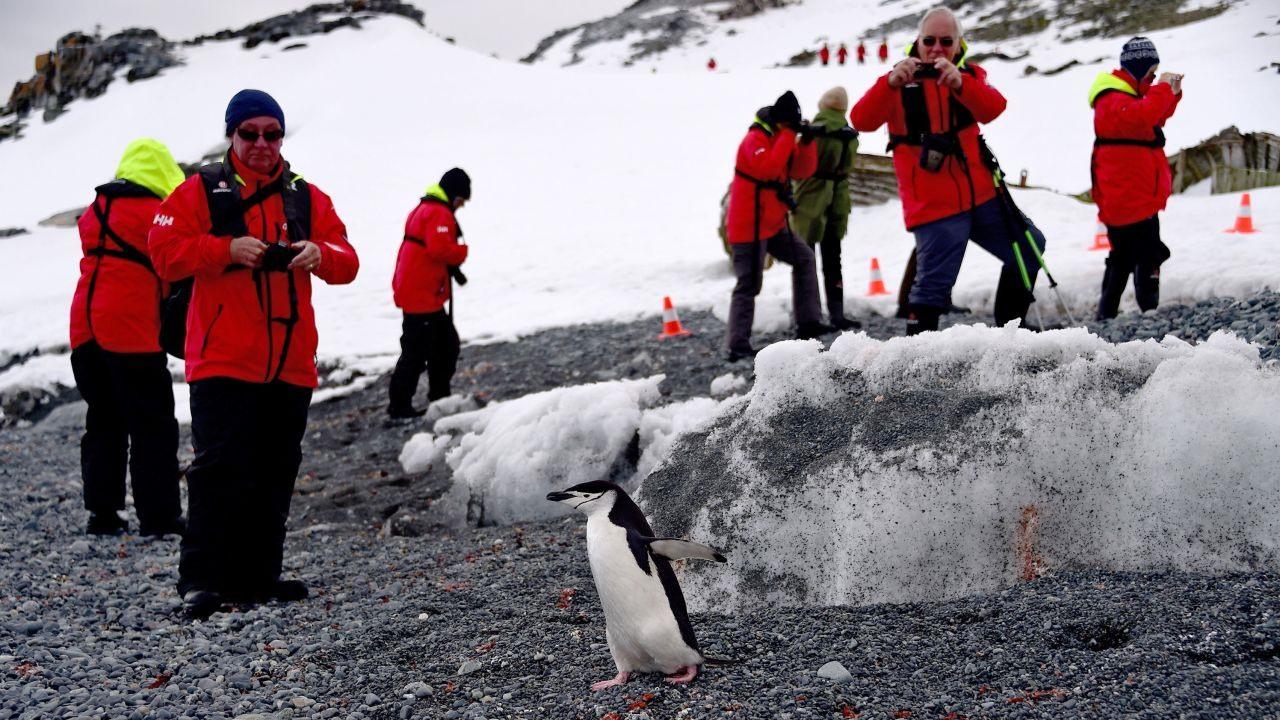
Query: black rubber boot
(814, 330)
(200, 604)
(1012, 297)
(1146, 286)
(108, 523)
(1114, 278)
(922, 318)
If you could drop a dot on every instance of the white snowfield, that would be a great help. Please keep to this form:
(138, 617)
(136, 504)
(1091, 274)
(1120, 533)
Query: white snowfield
(1140, 456)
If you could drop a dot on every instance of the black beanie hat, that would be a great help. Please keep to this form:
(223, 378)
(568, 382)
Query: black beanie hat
(251, 104)
(786, 109)
(456, 184)
(1138, 57)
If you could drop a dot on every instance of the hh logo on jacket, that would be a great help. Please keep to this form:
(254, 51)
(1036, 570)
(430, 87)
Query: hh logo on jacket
(163, 220)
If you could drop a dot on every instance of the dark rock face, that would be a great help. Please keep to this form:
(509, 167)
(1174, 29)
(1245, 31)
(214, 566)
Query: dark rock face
(659, 23)
(83, 65)
(313, 20)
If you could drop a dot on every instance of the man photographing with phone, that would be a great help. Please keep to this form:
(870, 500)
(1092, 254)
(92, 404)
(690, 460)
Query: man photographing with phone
(1131, 178)
(932, 102)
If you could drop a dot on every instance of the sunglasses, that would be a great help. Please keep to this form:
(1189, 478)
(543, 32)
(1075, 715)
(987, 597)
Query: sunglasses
(252, 136)
(930, 40)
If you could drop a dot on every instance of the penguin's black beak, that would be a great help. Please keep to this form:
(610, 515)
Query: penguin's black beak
(558, 496)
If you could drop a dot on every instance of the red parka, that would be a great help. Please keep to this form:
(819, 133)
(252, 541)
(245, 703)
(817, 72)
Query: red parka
(824, 54)
(772, 156)
(117, 299)
(842, 54)
(235, 326)
(421, 281)
(1131, 182)
(928, 196)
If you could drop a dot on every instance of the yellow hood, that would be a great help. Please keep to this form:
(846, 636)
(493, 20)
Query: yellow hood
(148, 163)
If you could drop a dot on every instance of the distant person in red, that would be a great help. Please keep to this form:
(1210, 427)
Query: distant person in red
(842, 54)
(119, 368)
(884, 50)
(862, 52)
(711, 64)
(824, 55)
(1131, 178)
(423, 286)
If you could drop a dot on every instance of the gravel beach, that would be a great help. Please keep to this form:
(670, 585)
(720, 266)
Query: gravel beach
(409, 621)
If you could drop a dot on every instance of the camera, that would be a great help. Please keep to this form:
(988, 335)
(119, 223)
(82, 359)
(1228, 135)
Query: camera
(926, 71)
(808, 131)
(276, 257)
(455, 272)
(934, 150)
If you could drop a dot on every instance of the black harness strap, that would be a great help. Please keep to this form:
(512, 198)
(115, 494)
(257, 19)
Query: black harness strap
(123, 250)
(915, 112)
(422, 243)
(226, 216)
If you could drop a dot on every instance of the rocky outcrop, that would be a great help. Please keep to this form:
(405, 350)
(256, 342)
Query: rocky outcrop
(83, 65)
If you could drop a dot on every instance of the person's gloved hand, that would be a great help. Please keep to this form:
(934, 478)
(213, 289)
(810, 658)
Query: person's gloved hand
(809, 131)
(786, 110)
(844, 134)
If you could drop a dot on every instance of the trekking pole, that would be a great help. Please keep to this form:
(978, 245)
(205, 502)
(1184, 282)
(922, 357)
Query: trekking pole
(1011, 209)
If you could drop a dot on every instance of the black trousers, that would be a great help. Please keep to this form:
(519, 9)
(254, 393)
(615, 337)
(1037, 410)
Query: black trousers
(248, 443)
(828, 247)
(130, 422)
(428, 341)
(1135, 249)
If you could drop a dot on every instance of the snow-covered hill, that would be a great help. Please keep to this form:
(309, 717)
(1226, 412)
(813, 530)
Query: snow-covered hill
(597, 188)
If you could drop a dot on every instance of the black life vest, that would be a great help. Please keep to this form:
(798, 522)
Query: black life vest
(101, 207)
(226, 219)
(779, 188)
(1157, 134)
(915, 112)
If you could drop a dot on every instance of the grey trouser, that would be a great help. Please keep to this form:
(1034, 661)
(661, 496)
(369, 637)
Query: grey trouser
(748, 266)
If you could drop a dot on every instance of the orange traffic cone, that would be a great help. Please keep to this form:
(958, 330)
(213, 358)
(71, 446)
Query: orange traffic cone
(671, 326)
(1244, 218)
(1100, 239)
(877, 281)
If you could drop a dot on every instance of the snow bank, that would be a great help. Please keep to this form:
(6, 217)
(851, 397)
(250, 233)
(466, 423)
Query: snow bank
(956, 462)
(507, 456)
(728, 384)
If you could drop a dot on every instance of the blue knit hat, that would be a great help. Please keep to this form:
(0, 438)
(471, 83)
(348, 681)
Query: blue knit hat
(1138, 57)
(251, 104)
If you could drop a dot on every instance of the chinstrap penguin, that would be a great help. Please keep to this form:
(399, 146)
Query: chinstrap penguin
(646, 622)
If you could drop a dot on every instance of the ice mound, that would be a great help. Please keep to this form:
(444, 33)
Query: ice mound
(507, 456)
(956, 462)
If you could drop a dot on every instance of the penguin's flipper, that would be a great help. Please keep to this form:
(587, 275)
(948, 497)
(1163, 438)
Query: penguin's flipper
(677, 549)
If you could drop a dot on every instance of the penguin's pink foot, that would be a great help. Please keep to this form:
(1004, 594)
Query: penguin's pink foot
(690, 672)
(620, 679)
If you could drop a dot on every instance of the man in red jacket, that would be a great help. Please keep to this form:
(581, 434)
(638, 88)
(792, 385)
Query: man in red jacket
(119, 368)
(252, 233)
(769, 158)
(883, 52)
(423, 284)
(824, 55)
(862, 52)
(933, 102)
(842, 54)
(1131, 178)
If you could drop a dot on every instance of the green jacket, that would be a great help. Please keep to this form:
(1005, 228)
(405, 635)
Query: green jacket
(814, 195)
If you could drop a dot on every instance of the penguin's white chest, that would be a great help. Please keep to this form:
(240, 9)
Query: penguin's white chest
(642, 630)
